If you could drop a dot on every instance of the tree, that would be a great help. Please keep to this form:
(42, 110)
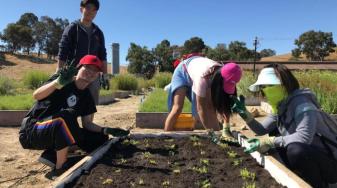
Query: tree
(12, 36)
(41, 34)
(193, 45)
(238, 51)
(164, 57)
(219, 53)
(28, 20)
(315, 45)
(141, 61)
(267, 53)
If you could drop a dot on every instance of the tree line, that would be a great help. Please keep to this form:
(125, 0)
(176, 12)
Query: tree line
(145, 61)
(30, 33)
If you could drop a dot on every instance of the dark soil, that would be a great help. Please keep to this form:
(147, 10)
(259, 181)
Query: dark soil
(167, 162)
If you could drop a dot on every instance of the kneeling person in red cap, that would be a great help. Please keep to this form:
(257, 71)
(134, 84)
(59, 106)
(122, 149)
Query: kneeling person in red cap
(51, 124)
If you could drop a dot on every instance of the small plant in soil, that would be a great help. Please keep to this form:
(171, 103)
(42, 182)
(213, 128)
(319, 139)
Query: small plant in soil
(107, 181)
(224, 146)
(147, 155)
(237, 162)
(153, 162)
(249, 185)
(123, 161)
(204, 162)
(196, 144)
(176, 171)
(246, 175)
(200, 170)
(171, 147)
(171, 153)
(202, 152)
(194, 138)
(232, 154)
(146, 143)
(118, 170)
(166, 183)
(205, 184)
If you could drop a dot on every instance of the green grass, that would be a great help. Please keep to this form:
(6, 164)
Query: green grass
(124, 82)
(16, 102)
(7, 86)
(162, 79)
(157, 102)
(34, 79)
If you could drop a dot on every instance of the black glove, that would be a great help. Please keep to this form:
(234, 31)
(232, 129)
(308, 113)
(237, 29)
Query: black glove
(117, 132)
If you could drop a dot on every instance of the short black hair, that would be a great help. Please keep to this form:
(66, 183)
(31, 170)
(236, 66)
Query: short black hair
(86, 2)
(288, 80)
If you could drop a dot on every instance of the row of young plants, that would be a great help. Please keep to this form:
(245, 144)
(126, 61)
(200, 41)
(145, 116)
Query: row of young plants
(322, 83)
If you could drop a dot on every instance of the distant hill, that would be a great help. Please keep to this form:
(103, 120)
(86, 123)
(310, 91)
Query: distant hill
(287, 57)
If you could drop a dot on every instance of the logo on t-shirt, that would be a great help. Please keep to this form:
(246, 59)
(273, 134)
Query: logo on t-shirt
(71, 100)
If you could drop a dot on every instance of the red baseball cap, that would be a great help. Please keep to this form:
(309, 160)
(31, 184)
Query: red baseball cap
(231, 74)
(91, 60)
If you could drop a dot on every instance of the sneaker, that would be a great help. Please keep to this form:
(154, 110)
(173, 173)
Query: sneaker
(48, 157)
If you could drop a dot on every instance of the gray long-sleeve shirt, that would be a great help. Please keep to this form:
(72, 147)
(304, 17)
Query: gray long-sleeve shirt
(298, 120)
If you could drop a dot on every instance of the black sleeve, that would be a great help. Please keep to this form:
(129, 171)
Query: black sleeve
(102, 53)
(66, 45)
(88, 104)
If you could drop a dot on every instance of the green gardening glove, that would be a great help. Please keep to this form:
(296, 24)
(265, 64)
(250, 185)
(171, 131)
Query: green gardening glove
(238, 106)
(117, 132)
(66, 75)
(227, 136)
(261, 145)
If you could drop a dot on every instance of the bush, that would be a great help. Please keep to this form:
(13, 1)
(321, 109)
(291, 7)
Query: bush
(7, 86)
(246, 80)
(124, 82)
(35, 79)
(162, 79)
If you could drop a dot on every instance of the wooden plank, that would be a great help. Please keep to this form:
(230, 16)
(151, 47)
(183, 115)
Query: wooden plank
(10, 118)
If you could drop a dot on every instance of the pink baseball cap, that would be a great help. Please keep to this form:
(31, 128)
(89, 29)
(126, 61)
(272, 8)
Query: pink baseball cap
(231, 74)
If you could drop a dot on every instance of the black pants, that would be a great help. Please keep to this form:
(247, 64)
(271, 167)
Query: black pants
(60, 131)
(315, 166)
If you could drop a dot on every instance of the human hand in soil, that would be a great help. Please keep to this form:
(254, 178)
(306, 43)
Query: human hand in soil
(261, 145)
(238, 106)
(115, 131)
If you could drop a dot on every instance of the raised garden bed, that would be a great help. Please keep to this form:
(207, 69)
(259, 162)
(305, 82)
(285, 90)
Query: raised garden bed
(175, 162)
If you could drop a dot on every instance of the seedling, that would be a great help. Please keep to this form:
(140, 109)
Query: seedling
(118, 171)
(202, 152)
(200, 170)
(194, 138)
(249, 185)
(237, 162)
(204, 162)
(107, 181)
(246, 175)
(133, 184)
(176, 171)
(123, 161)
(146, 143)
(134, 142)
(147, 155)
(166, 183)
(141, 181)
(232, 154)
(172, 147)
(224, 146)
(195, 144)
(205, 184)
(153, 162)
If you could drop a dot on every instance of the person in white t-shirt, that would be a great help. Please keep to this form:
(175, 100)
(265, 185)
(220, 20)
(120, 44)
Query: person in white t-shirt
(208, 85)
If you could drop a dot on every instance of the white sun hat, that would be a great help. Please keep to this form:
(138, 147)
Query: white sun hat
(267, 76)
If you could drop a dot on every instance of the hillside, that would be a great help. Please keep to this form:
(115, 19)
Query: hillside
(287, 57)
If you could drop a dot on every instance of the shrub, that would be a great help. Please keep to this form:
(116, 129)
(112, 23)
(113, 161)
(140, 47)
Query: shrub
(35, 79)
(7, 86)
(246, 80)
(162, 79)
(124, 82)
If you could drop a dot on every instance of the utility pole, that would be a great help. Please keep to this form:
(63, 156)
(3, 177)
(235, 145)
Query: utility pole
(255, 54)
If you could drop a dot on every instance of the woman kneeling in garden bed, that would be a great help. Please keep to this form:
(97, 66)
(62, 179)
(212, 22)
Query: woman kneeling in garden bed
(305, 138)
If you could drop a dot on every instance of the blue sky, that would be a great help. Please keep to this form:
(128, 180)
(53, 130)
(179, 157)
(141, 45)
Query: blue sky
(147, 22)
